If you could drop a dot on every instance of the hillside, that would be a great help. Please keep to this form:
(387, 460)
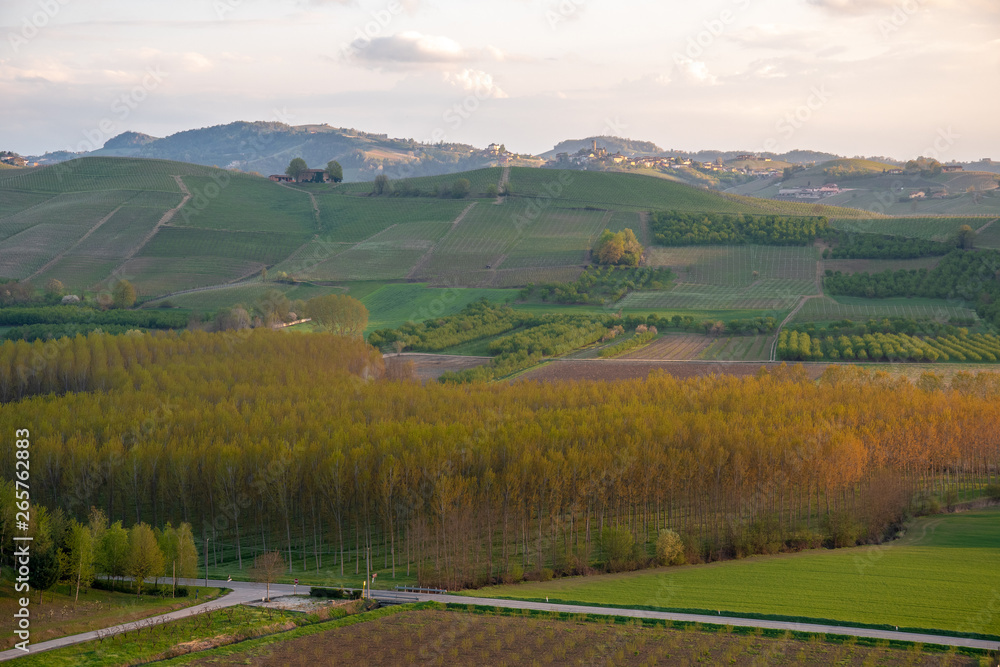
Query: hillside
(172, 226)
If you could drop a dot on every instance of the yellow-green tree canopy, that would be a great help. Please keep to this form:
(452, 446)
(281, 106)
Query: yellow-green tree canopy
(338, 313)
(622, 248)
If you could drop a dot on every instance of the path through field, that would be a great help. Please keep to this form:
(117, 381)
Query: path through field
(819, 295)
(986, 226)
(504, 180)
(167, 217)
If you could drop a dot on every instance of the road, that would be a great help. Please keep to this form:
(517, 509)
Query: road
(248, 592)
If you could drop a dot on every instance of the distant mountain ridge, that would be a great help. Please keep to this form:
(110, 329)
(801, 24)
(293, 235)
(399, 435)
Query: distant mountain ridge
(267, 148)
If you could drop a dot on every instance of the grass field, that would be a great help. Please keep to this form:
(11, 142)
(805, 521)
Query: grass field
(395, 305)
(58, 616)
(944, 574)
(736, 265)
(432, 636)
(245, 203)
(827, 309)
(153, 644)
(766, 295)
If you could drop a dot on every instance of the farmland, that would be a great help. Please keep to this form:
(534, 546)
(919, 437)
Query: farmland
(93, 217)
(860, 309)
(935, 577)
(433, 636)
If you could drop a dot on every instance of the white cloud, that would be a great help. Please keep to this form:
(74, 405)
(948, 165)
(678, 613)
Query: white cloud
(477, 81)
(694, 71)
(413, 47)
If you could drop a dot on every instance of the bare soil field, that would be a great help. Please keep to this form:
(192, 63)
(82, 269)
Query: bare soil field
(672, 347)
(432, 366)
(639, 369)
(431, 637)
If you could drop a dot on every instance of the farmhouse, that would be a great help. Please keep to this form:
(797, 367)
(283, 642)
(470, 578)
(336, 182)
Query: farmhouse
(952, 167)
(314, 176)
(15, 160)
(280, 178)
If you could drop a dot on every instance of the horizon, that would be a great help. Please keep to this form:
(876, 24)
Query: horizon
(889, 78)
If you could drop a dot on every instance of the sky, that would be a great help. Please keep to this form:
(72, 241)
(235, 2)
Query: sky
(898, 78)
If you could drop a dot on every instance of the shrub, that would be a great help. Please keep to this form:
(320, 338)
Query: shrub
(669, 548)
(617, 547)
(843, 530)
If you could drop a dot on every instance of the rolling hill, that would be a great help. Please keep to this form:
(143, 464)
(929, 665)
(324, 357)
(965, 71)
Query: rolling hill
(267, 148)
(173, 226)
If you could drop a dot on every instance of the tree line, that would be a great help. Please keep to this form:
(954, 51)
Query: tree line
(66, 550)
(969, 276)
(264, 441)
(849, 245)
(600, 285)
(676, 228)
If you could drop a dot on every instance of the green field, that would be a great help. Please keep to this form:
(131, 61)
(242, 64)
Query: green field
(766, 295)
(394, 305)
(944, 574)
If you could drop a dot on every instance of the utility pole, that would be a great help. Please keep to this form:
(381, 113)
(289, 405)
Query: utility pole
(207, 538)
(368, 562)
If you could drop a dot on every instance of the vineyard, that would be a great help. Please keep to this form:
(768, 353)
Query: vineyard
(825, 309)
(736, 265)
(976, 348)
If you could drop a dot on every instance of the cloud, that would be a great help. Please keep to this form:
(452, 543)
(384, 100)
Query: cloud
(411, 47)
(693, 71)
(477, 81)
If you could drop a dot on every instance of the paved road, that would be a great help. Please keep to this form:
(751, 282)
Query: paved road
(248, 592)
(242, 592)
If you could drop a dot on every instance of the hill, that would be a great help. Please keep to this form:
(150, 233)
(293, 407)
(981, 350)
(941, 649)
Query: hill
(267, 148)
(627, 147)
(173, 226)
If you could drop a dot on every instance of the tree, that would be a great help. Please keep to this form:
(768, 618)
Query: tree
(965, 238)
(610, 248)
(232, 319)
(267, 568)
(669, 548)
(45, 571)
(112, 552)
(81, 557)
(54, 288)
(335, 171)
(123, 294)
(338, 313)
(144, 556)
(461, 188)
(296, 167)
(381, 186)
(492, 190)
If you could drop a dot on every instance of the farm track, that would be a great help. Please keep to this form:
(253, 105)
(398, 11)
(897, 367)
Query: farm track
(504, 180)
(167, 217)
(795, 311)
(644, 228)
(986, 226)
(423, 261)
(83, 238)
(312, 198)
